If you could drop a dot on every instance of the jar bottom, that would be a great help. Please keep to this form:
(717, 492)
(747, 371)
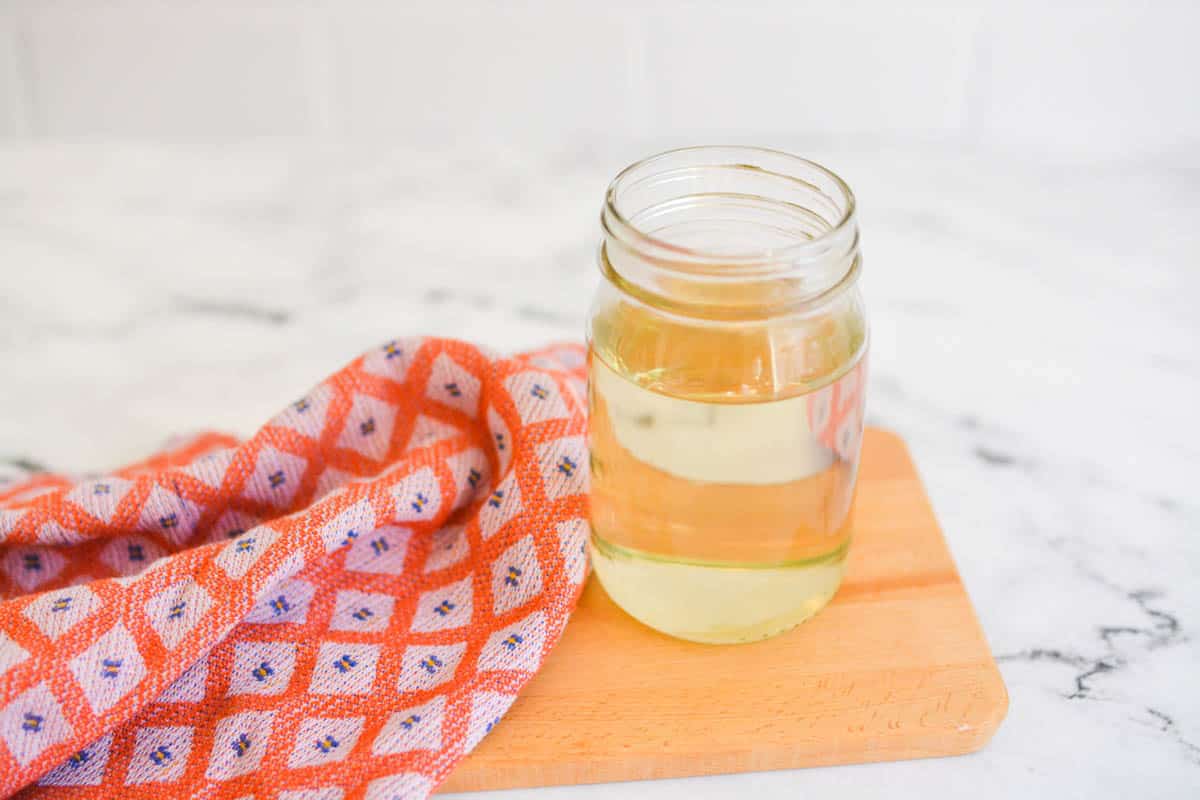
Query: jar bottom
(714, 603)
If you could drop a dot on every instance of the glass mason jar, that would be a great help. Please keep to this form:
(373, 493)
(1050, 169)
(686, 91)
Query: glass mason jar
(727, 347)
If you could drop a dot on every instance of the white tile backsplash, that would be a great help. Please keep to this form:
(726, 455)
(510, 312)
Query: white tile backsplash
(169, 70)
(1093, 81)
(826, 68)
(1106, 80)
(14, 110)
(483, 71)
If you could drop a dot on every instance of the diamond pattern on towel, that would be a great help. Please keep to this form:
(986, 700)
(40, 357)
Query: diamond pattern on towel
(340, 607)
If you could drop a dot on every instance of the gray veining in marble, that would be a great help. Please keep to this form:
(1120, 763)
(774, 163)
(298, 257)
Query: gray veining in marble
(1035, 339)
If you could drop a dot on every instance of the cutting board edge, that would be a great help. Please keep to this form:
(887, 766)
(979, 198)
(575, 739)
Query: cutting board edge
(1001, 711)
(658, 767)
(621, 768)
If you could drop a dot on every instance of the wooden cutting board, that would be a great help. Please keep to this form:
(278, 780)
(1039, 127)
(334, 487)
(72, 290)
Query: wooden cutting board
(895, 667)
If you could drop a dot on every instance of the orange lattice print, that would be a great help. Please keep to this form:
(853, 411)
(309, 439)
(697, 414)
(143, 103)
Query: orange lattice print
(341, 607)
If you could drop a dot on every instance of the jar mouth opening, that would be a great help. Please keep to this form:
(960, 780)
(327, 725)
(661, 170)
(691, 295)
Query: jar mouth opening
(792, 185)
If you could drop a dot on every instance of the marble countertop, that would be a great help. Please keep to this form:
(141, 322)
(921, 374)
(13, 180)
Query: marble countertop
(1035, 340)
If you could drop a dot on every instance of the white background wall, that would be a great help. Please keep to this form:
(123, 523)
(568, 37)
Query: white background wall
(1094, 82)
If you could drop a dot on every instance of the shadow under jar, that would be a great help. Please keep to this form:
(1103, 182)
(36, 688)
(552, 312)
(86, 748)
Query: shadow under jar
(727, 350)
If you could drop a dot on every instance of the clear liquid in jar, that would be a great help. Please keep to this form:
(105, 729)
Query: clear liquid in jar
(722, 496)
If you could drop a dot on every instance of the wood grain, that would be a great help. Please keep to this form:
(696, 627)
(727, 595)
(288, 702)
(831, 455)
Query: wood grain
(896, 667)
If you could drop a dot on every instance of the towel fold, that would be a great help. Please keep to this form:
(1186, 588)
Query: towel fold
(342, 606)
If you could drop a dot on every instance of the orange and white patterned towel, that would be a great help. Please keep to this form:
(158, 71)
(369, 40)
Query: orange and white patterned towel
(341, 607)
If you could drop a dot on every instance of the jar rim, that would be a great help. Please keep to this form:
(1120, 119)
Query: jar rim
(616, 223)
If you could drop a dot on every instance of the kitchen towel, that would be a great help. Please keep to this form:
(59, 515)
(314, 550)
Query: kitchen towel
(342, 606)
